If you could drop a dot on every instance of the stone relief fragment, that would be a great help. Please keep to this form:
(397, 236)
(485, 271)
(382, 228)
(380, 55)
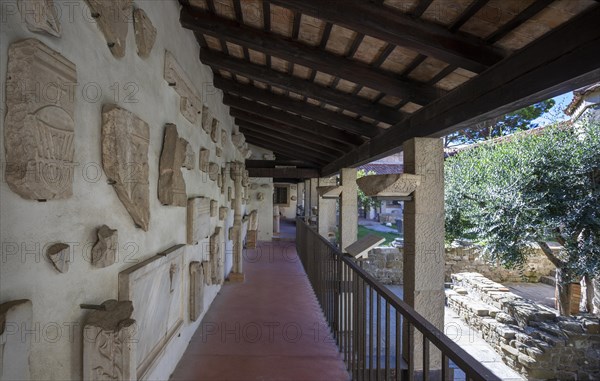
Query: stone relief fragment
(197, 283)
(224, 136)
(171, 184)
(109, 347)
(145, 33)
(204, 159)
(253, 220)
(125, 141)
(104, 252)
(260, 196)
(39, 130)
(214, 208)
(223, 213)
(238, 140)
(189, 161)
(198, 219)
(16, 332)
(213, 171)
(112, 18)
(207, 120)
(216, 256)
(218, 152)
(215, 132)
(190, 104)
(59, 255)
(40, 16)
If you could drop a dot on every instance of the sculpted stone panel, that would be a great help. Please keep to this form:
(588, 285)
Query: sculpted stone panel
(145, 33)
(238, 140)
(219, 152)
(112, 18)
(59, 255)
(104, 251)
(223, 213)
(125, 140)
(217, 257)
(171, 184)
(156, 289)
(214, 208)
(213, 171)
(204, 159)
(389, 185)
(190, 103)
(207, 120)
(253, 220)
(40, 16)
(197, 283)
(39, 126)
(109, 345)
(224, 136)
(198, 219)
(215, 132)
(189, 162)
(15, 343)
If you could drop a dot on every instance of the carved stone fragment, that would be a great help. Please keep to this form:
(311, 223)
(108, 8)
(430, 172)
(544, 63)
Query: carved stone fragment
(40, 16)
(207, 120)
(253, 220)
(215, 132)
(190, 103)
(216, 256)
(112, 18)
(204, 159)
(198, 219)
(219, 152)
(224, 136)
(104, 251)
(189, 162)
(229, 194)
(171, 184)
(109, 349)
(220, 181)
(59, 255)
(15, 342)
(39, 128)
(254, 186)
(223, 213)
(238, 140)
(145, 32)
(389, 185)
(260, 196)
(125, 140)
(214, 208)
(213, 171)
(197, 283)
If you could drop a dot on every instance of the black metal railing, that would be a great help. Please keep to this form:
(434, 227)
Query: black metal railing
(379, 336)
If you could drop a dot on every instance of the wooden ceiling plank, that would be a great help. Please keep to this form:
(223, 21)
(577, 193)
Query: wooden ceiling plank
(536, 7)
(303, 149)
(297, 52)
(291, 120)
(401, 29)
(296, 106)
(471, 10)
(284, 173)
(560, 61)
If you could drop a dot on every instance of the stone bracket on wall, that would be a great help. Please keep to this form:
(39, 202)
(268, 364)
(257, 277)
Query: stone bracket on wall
(392, 186)
(330, 192)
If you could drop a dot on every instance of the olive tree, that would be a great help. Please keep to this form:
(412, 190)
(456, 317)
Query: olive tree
(533, 188)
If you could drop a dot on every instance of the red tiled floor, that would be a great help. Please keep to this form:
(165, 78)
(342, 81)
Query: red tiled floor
(268, 328)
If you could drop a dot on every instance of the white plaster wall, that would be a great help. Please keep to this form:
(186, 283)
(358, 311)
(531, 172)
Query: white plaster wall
(265, 207)
(289, 212)
(26, 227)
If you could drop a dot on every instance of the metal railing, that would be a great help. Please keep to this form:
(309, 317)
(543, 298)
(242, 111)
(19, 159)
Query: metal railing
(377, 333)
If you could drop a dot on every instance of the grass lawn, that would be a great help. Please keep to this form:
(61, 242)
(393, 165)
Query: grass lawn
(389, 237)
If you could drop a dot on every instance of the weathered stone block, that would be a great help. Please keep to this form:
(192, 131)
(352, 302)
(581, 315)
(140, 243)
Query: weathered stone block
(112, 18)
(40, 16)
(171, 184)
(104, 252)
(145, 33)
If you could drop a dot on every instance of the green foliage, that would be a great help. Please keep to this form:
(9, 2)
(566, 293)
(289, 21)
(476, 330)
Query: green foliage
(510, 123)
(533, 188)
(365, 201)
(389, 237)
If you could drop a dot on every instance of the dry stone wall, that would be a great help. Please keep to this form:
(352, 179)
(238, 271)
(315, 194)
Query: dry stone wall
(530, 338)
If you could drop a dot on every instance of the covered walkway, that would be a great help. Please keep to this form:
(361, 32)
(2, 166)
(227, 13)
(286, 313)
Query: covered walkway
(268, 328)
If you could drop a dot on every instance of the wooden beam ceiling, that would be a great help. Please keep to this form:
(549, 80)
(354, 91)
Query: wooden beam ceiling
(284, 130)
(361, 106)
(562, 60)
(300, 123)
(397, 28)
(287, 173)
(313, 57)
(277, 162)
(286, 150)
(298, 107)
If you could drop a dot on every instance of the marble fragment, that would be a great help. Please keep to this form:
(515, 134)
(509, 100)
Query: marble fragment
(204, 159)
(223, 213)
(59, 255)
(214, 208)
(198, 219)
(39, 129)
(190, 104)
(171, 184)
(189, 162)
(215, 132)
(104, 252)
(207, 120)
(213, 171)
(197, 283)
(145, 33)
(217, 257)
(112, 18)
(40, 16)
(125, 141)
(16, 333)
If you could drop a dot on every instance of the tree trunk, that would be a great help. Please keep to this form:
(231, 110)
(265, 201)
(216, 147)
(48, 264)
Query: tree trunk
(596, 302)
(563, 297)
(588, 300)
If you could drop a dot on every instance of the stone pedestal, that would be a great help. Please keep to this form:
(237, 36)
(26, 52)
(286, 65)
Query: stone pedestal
(348, 208)
(424, 239)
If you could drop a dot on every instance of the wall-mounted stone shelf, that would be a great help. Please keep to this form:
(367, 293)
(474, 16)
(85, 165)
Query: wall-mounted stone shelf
(396, 185)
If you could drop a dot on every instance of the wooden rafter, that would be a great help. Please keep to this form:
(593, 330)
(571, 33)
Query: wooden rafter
(285, 147)
(292, 120)
(296, 106)
(400, 29)
(562, 60)
(313, 57)
(358, 105)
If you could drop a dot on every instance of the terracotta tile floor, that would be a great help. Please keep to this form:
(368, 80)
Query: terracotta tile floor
(268, 328)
